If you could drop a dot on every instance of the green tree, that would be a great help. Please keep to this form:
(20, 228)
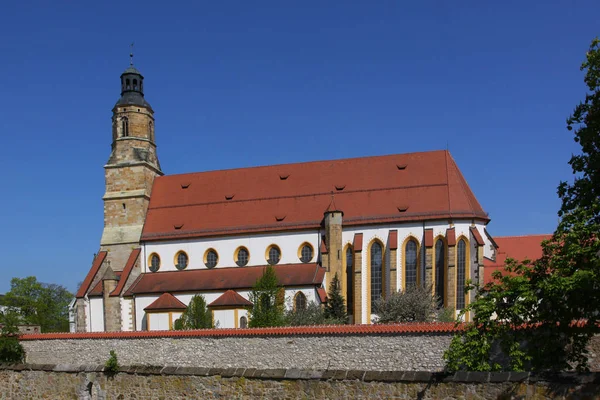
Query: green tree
(196, 315)
(267, 297)
(558, 296)
(10, 348)
(40, 303)
(415, 304)
(335, 309)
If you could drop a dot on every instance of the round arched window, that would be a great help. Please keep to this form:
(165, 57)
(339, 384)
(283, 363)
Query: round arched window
(154, 262)
(273, 255)
(306, 253)
(243, 322)
(181, 260)
(242, 256)
(300, 301)
(211, 258)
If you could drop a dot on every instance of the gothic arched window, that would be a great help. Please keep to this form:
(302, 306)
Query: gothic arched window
(150, 131)
(349, 279)
(125, 126)
(461, 268)
(300, 302)
(411, 262)
(376, 260)
(440, 266)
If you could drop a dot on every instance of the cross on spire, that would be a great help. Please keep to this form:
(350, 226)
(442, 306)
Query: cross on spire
(131, 54)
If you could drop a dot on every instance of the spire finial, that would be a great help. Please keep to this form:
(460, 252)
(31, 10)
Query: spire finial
(131, 54)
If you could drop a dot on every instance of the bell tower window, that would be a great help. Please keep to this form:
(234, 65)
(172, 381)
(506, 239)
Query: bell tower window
(125, 126)
(127, 84)
(135, 87)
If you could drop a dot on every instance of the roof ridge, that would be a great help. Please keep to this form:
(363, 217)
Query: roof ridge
(299, 162)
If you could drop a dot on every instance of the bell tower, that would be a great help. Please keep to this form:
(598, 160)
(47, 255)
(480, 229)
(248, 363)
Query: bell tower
(130, 170)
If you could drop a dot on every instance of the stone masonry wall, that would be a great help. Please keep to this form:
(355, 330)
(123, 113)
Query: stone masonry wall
(366, 352)
(63, 382)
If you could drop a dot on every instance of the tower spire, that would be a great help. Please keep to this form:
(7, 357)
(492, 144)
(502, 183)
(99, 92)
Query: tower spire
(131, 54)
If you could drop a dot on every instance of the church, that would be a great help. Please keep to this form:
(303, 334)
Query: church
(380, 223)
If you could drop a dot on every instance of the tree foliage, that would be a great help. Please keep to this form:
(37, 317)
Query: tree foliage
(196, 315)
(313, 314)
(267, 297)
(10, 349)
(335, 309)
(557, 298)
(415, 304)
(40, 304)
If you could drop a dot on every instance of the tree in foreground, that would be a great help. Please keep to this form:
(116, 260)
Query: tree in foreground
(11, 351)
(196, 315)
(40, 304)
(556, 298)
(415, 304)
(267, 297)
(335, 309)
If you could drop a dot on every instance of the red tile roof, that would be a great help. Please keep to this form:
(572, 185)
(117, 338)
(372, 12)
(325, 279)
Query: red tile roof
(166, 302)
(98, 289)
(230, 298)
(338, 330)
(224, 278)
(517, 247)
(477, 236)
(451, 236)
(322, 295)
(98, 260)
(375, 191)
(126, 271)
(428, 237)
(393, 240)
(358, 240)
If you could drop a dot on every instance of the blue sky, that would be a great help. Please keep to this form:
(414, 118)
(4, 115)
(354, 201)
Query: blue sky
(239, 83)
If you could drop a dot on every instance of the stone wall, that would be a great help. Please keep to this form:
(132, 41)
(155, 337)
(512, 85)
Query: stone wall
(64, 382)
(416, 351)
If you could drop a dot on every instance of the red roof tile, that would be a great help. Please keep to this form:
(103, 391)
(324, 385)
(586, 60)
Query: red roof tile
(98, 260)
(393, 240)
(98, 289)
(477, 236)
(126, 271)
(224, 278)
(451, 236)
(358, 241)
(428, 237)
(316, 330)
(323, 247)
(431, 186)
(166, 302)
(517, 247)
(322, 294)
(230, 298)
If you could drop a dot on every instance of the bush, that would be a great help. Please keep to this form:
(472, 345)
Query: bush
(446, 314)
(11, 350)
(415, 304)
(111, 366)
(195, 316)
(313, 314)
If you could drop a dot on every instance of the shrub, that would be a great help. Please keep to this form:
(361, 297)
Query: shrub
(313, 314)
(111, 366)
(446, 314)
(415, 304)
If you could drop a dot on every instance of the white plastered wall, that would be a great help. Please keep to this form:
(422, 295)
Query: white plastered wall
(96, 320)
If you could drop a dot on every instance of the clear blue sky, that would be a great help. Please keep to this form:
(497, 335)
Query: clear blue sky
(240, 83)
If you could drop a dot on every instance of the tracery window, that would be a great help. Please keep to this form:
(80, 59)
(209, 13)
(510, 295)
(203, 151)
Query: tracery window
(300, 301)
(440, 265)
(349, 279)
(461, 264)
(411, 262)
(125, 126)
(376, 260)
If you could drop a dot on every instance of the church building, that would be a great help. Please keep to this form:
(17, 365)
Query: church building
(380, 223)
